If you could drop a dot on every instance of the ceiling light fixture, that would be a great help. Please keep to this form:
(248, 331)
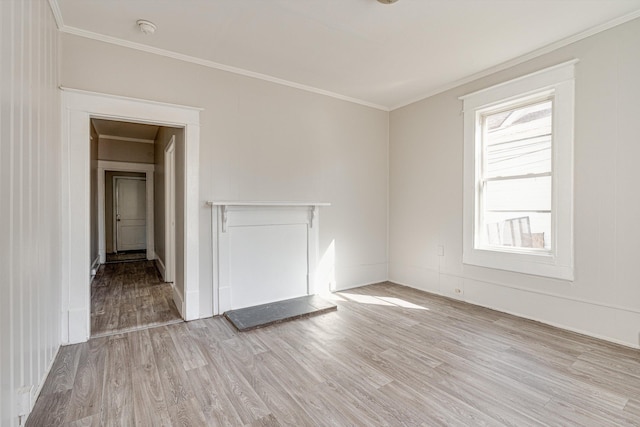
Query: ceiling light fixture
(387, 1)
(147, 27)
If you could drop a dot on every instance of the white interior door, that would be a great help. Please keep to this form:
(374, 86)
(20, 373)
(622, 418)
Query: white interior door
(130, 213)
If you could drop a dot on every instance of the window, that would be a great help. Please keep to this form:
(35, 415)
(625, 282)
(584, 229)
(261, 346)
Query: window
(515, 176)
(518, 202)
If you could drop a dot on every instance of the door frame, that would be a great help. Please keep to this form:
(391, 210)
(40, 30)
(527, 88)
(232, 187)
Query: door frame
(105, 166)
(78, 107)
(169, 210)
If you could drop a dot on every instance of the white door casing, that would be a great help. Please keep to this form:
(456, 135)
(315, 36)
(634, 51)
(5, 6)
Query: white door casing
(148, 170)
(169, 211)
(130, 213)
(78, 108)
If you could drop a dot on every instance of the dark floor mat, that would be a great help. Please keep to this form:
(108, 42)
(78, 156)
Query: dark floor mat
(246, 319)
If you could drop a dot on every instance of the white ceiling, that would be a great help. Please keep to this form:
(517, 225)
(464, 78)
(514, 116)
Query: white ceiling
(380, 55)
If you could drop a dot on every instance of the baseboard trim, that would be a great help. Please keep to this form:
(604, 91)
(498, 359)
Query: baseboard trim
(436, 272)
(523, 316)
(161, 267)
(178, 300)
(559, 326)
(78, 326)
(192, 300)
(94, 267)
(34, 396)
(361, 275)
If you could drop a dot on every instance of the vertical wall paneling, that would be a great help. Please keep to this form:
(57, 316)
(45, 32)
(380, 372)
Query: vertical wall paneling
(4, 225)
(30, 207)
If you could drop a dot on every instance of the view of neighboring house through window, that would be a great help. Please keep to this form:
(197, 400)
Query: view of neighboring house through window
(515, 187)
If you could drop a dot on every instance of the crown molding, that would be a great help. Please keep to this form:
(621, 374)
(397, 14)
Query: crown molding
(210, 64)
(55, 8)
(57, 13)
(526, 57)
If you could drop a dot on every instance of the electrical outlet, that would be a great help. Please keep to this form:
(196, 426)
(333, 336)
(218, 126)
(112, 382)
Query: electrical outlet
(440, 250)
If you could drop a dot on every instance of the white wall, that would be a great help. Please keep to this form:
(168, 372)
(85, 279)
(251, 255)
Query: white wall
(30, 263)
(125, 151)
(263, 141)
(426, 160)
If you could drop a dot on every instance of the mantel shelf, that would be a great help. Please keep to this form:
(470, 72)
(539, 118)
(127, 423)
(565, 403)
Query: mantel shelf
(263, 203)
(224, 205)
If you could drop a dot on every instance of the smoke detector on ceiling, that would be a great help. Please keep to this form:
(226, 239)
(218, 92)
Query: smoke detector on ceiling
(387, 1)
(147, 27)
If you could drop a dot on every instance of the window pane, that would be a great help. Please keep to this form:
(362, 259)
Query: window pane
(526, 194)
(518, 229)
(518, 141)
(516, 212)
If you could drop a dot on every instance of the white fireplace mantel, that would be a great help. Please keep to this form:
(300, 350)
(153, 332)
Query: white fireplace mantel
(263, 203)
(263, 251)
(225, 204)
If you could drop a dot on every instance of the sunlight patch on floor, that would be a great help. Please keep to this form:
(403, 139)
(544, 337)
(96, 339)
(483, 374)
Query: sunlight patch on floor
(379, 300)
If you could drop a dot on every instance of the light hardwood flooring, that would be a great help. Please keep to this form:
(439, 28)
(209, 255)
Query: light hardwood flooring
(389, 356)
(130, 295)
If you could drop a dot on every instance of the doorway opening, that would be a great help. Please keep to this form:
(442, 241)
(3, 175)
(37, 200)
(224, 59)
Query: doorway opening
(130, 288)
(78, 254)
(125, 216)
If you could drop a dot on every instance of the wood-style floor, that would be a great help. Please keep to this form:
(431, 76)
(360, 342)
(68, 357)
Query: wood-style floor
(127, 256)
(130, 295)
(389, 356)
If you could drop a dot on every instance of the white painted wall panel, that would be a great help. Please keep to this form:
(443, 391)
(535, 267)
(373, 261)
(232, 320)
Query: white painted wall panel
(125, 151)
(426, 171)
(267, 263)
(267, 253)
(30, 266)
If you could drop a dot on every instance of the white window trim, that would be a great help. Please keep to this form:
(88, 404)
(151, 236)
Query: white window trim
(558, 263)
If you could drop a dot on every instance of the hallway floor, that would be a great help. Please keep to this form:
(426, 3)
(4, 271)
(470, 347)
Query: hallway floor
(129, 296)
(127, 256)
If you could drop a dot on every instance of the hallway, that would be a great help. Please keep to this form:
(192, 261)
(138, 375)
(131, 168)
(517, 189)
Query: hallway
(128, 296)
